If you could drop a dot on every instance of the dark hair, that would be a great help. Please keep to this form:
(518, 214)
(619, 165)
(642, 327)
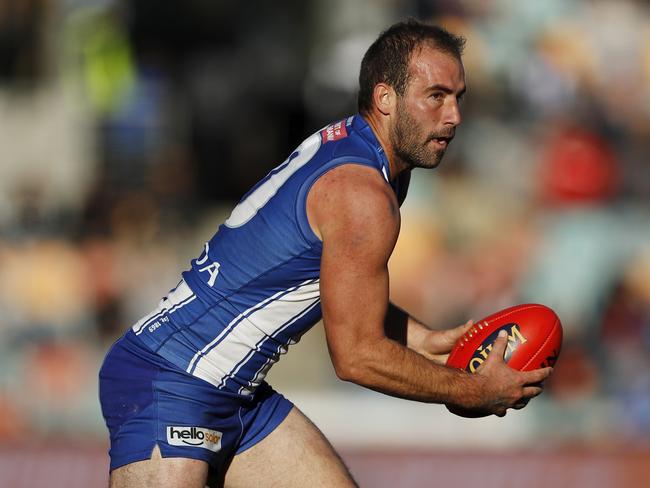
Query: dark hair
(387, 59)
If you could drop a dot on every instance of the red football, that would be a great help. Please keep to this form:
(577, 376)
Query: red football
(534, 339)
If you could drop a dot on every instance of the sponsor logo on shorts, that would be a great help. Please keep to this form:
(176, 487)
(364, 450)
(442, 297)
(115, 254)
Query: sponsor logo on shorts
(194, 437)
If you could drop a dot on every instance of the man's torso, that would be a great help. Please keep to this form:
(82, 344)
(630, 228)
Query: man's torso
(254, 290)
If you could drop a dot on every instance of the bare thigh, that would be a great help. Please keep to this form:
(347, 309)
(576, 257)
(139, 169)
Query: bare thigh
(295, 454)
(161, 472)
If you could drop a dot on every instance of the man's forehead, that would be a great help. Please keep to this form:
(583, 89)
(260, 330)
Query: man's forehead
(431, 65)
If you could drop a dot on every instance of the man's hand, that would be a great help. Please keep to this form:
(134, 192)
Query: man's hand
(436, 345)
(502, 387)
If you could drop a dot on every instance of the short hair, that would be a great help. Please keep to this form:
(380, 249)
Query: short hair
(387, 59)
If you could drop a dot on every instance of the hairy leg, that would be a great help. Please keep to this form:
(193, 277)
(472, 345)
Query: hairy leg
(159, 472)
(295, 454)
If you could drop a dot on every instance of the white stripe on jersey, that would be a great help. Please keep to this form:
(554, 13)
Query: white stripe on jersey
(257, 380)
(177, 298)
(282, 349)
(236, 320)
(248, 330)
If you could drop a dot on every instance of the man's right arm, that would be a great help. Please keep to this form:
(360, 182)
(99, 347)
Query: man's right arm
(357, 217)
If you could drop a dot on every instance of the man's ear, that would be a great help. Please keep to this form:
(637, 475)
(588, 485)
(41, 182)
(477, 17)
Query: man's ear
(385, 98)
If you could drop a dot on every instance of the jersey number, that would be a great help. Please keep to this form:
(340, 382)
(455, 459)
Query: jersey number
(247, 208)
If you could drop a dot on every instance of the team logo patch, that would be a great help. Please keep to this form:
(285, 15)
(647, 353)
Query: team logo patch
(334, 132)
(194, 437)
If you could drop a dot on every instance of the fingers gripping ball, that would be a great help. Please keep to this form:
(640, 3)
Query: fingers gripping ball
(534, 339)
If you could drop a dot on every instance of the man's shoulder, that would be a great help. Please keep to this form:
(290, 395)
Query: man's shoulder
(354, 195)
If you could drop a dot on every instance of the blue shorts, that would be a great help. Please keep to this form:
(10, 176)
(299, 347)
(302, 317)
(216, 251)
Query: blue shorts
(147, 401)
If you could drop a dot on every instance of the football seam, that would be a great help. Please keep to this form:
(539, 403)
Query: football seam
(515, 311)
(541, 347)
(498, 317)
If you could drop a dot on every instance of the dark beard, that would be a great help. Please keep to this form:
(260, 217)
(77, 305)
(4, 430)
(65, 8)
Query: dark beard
(407, 147)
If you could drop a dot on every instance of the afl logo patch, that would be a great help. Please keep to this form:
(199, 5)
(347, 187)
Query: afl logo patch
(334, 132)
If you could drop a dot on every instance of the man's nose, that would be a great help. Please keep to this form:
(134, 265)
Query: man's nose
(452, 113)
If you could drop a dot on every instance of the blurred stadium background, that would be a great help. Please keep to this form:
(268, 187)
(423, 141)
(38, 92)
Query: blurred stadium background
(128, 129)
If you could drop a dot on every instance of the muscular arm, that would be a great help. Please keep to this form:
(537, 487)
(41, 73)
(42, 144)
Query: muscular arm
(356, 215)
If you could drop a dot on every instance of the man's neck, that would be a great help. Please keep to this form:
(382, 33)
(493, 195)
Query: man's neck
(379, 127)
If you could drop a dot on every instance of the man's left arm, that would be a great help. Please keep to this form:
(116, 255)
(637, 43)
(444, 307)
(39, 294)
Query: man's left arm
(435, 345)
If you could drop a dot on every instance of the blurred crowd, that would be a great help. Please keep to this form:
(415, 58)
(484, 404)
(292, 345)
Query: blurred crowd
(129, 128)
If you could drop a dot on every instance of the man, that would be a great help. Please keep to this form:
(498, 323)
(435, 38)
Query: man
(183, 392)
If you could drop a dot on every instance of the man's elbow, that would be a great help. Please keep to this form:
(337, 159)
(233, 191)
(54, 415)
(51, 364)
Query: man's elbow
(354, 361)
(345, 373)
(350, 370)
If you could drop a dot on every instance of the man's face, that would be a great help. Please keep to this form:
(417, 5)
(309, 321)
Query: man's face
(428, 112)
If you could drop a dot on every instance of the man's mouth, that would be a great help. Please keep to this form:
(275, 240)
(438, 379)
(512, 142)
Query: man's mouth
(443, 142)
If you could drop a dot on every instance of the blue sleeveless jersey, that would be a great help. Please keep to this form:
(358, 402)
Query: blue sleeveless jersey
(254, 290)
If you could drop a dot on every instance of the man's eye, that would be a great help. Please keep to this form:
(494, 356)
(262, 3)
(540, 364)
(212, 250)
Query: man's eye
(437, 95)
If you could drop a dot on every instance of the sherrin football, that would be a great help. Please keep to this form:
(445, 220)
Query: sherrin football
(534, 339)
